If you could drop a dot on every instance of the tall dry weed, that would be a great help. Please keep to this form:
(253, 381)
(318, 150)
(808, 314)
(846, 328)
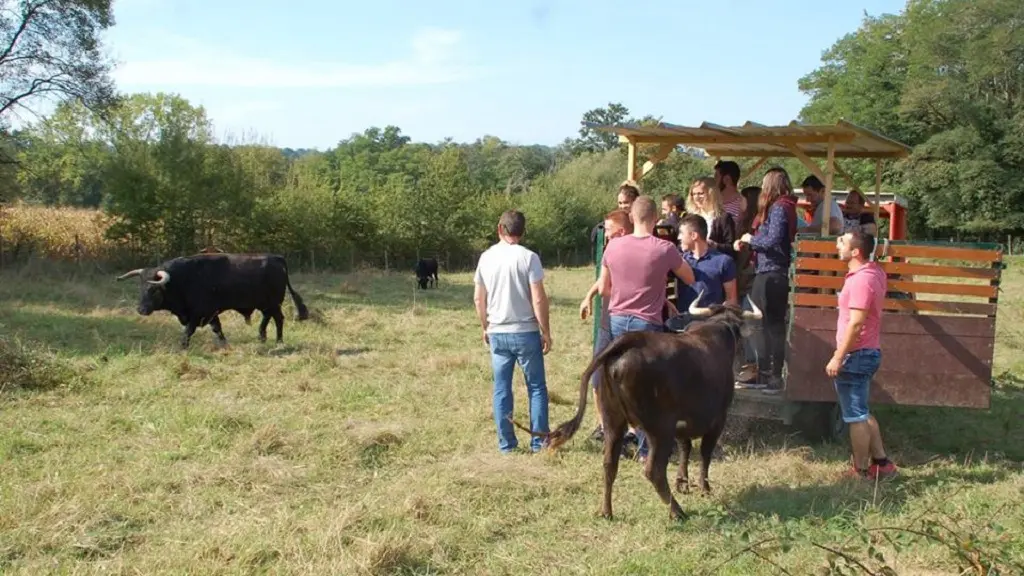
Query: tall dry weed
(57, 234)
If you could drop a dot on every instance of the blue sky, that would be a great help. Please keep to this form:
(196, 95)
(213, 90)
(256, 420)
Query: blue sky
(311, 72)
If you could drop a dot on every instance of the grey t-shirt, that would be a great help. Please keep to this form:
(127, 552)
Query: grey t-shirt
(506, 271)
(834, 212)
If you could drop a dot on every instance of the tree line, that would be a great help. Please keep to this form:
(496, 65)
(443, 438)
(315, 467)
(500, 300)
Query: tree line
(944, 76)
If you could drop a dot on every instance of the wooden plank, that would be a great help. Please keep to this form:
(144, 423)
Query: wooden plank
(816, 319)
(909, 251)
(832, 301)
(950, 289)
(902, 268)
(936, 368)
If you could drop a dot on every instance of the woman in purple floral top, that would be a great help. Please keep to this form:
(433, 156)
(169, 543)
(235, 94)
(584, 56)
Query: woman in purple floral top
(772, 241)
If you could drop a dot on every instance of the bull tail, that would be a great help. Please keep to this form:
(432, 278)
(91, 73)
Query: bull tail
(300, 306)
(567, 430)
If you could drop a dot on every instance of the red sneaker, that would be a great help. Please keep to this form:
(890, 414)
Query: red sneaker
(888, 470)
(852, 472)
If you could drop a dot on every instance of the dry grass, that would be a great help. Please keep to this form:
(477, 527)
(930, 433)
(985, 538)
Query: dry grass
(365, 445)
(50, 234)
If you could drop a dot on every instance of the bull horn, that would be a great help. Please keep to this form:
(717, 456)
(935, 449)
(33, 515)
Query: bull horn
(697, 311)
(754, 313)
(132, 274)
(161, 278)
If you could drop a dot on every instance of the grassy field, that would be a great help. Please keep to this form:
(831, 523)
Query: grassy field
(365, 445)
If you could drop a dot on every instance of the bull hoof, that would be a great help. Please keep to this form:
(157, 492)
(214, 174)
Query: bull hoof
(675, 513)
(682, 485)
(705, 488)
(263, 338)
(607, 516)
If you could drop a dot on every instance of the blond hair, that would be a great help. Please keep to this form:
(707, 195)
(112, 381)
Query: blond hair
(712, 202)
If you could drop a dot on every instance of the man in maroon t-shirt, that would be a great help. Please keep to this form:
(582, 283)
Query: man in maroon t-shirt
(634, 271)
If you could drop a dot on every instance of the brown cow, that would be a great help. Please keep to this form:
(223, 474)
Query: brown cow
(673, 386)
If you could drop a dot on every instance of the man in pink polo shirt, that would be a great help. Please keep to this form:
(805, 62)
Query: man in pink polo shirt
(858, 351)
(634, 271)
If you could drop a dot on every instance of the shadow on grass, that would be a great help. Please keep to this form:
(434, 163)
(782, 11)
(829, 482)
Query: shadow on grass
(962, 432)
(826, 501)
(80, 335)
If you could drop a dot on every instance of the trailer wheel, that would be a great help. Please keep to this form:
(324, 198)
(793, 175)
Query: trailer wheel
(820, 422)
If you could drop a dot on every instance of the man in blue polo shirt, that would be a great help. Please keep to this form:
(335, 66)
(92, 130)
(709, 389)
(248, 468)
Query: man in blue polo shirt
(714, 272)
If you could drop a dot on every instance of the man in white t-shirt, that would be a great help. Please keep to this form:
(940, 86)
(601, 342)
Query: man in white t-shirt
(513, 310)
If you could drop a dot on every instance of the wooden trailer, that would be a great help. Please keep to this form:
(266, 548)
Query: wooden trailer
(940, 314)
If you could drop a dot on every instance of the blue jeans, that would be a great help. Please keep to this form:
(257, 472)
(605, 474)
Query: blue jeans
(604, 338)
(506, 350)
(626, 323)
(853, 383)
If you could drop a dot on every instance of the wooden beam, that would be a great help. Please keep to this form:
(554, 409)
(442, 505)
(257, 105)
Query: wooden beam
(755, 166)
(830, 169)
(781, 152)
(725, 139)
(807, 162)
(846, 176)
(658, 157)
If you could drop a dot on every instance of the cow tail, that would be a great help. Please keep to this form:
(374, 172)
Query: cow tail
(566, 430)
(300, 306)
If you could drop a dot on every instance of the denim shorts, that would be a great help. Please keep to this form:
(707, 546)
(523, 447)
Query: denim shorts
(853, 384)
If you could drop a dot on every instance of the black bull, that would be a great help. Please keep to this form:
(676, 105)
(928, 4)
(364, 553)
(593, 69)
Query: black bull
(426, 269)
(673, 386)
(196, 289)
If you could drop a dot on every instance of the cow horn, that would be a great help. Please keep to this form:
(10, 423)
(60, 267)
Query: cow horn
(696, 311)
(161, 278)
(132, 274)
(754, 313)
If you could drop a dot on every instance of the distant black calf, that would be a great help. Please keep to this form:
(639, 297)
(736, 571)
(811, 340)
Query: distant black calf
(426, 268)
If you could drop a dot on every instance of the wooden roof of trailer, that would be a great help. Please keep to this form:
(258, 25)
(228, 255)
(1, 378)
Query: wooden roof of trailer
(753, 139)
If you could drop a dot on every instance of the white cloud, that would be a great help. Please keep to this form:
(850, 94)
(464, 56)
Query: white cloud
(433, 61)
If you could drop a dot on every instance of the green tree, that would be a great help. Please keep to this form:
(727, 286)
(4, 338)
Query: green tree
(50, 49)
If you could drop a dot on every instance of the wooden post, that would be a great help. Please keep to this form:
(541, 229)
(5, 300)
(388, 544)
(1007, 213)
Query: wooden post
(830, 168)
(631, 159)
(878, 190)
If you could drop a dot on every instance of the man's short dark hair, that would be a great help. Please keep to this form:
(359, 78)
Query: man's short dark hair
(697, 223)
(729, 168)
(862, 241)
(812, 182)
(513, 223)
(630, 190)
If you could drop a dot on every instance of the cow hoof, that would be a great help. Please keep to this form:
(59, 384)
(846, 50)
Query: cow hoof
(682, 486)
(263, 339)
